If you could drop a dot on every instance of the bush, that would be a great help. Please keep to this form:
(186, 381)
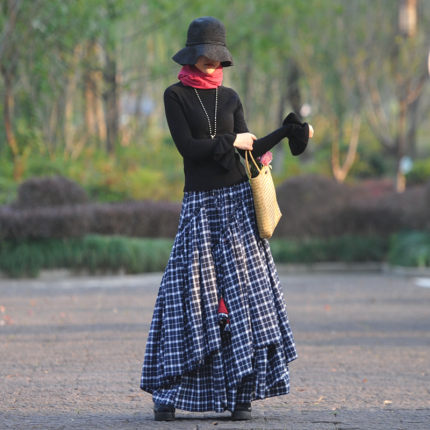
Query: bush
(410, 249)
(93, 253)
(96, 253)
(8, 190)
(123, 175)
(314, 206)
(420, 172)
(343, 249)
(426, 203)
(43, 223)
(308, 205)
(49, 191)
(140, 219)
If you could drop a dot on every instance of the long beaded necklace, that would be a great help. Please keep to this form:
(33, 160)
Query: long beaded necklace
(207, 116)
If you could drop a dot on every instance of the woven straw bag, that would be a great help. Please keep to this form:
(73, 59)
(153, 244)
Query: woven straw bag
(266, 206)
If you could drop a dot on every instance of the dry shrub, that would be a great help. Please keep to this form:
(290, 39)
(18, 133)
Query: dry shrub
(412, 207)
(49, 191)
(308, 205)
(312, 206)
(43, 223)
(141, 219)
(315, 206)
(56, 207)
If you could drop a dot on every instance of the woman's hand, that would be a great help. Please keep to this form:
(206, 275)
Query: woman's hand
(311, 131)
(244, 141)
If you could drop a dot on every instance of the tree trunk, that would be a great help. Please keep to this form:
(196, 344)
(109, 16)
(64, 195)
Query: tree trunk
(8, 112)
(51, 129)
(90, 122)
(246, 81)
(340, 172)
(408, 18)
(100, 118)
(8, 65)
(293, 89)
(72, 82)
(290, 93)
(401, 147)
(18, 162)
(110, 97)
(110, 78)
(413, 125)
(93, 82)
(68, 115)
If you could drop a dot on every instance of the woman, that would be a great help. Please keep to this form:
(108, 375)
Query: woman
(220, 335)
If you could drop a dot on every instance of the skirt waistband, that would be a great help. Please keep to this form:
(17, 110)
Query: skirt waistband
(231, 190)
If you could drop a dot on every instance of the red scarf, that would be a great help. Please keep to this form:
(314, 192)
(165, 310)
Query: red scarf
(191, 76)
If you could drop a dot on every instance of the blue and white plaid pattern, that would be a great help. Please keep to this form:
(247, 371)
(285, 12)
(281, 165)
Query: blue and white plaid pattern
(188, 361)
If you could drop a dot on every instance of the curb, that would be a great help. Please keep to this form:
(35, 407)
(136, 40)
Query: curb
(337, 267)
(334, 267)
(405, 271)
(282, 268)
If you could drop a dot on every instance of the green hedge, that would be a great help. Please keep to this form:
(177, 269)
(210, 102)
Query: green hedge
(410, 249)
(92, 253)
(96, 253)
(420, 172)
(343, 249)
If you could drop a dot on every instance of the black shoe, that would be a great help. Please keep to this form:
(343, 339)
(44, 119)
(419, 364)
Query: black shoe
(242, 412)
(164, 412)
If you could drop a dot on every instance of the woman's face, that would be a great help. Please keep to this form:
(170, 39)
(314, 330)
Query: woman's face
(206, 65)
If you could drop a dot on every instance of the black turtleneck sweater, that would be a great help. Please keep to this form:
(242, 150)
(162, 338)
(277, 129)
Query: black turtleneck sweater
(215, 163)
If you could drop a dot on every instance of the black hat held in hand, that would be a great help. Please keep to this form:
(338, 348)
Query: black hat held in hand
(206, 36)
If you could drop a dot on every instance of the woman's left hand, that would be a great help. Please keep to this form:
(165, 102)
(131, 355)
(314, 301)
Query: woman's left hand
(311, 131)
(244, 141)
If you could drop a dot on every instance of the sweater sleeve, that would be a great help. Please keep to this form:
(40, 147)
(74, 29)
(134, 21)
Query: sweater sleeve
(297, 133)
(220, 148)
(260, 145)
(298, 136)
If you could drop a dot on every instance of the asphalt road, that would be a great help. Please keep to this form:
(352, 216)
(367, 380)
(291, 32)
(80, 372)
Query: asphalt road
(71, 351)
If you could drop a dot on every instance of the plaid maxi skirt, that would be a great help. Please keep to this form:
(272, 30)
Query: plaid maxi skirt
(190, 361)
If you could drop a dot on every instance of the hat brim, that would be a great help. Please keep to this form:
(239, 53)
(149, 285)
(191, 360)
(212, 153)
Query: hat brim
(190, 54)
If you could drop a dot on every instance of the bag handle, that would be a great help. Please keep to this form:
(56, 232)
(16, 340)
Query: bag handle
(248, 170)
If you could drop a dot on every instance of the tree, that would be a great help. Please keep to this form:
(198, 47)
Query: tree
(392, 76)
(9, 58)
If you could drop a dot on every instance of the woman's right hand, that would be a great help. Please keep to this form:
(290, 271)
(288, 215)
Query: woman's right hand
(244, 141)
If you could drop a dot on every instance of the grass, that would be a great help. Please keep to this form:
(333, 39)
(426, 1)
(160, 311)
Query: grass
(96, 253)
(92, 253)
(411, 249)
(343, 249)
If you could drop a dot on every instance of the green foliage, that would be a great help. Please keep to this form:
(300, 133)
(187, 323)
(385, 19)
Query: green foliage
(420, 172)
(23, 259)
(343, 249)
(343, 52)
(410, 249)
(92, 253)
(8, 189)
(134, 172)
(101, 254)
(370, 161)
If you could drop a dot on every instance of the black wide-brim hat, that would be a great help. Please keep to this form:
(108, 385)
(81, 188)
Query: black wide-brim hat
(206, 36)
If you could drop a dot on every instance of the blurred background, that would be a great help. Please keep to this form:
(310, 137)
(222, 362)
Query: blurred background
(90, 178)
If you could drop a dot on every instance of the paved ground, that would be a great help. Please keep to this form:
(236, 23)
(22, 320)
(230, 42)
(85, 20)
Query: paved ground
(71, 350)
